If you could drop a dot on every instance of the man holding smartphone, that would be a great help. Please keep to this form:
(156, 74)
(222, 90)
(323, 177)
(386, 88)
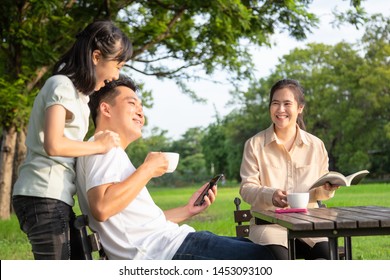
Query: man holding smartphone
(112, 192)
(201, 198)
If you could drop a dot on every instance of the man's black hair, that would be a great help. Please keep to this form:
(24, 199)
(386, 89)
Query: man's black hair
(108, 93)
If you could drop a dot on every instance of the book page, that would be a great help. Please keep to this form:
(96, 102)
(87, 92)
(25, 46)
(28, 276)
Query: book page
(333, 177)
(336, 178)
(355, 178)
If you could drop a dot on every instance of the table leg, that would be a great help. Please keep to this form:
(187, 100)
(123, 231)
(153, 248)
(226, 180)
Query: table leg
(348, 247)
(291, 249)
(333, 248)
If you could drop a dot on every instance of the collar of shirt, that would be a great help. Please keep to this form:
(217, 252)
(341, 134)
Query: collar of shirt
(270, 137)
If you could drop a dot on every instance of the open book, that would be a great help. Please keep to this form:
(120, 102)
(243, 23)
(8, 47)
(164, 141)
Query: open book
(336, 178)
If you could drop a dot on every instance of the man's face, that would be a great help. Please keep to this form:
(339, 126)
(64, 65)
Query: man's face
(127, 114)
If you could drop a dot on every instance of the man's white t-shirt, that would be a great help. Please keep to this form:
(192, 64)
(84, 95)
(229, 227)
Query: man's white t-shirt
(141, 230)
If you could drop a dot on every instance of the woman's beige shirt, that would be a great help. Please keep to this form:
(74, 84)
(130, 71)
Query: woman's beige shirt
(267, 166)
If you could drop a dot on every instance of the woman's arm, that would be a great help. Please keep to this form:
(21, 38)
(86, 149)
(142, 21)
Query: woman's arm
(251, 190)
(56, 144)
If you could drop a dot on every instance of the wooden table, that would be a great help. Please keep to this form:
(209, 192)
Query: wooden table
(334, 222)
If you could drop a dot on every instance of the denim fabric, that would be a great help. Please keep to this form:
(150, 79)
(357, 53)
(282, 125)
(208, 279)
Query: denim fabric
(204, 245)
(48, 224)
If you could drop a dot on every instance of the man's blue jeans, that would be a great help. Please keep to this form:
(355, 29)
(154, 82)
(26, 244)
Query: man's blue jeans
(204, 245)
(48, 224)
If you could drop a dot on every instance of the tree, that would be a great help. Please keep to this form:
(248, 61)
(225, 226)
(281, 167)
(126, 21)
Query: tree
(250, 117)
(214, 149)
(192, 163)
(345, 85)
(376, 81)
(191, 166)
(201, 35)
(347, 99)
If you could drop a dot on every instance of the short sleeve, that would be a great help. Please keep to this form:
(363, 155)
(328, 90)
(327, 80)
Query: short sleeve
(103, 168)
(60, 90)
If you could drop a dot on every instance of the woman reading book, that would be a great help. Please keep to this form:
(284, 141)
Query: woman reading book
(282, 159)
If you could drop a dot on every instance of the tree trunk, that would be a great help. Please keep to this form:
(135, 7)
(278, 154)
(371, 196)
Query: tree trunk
(7, 154)
(20, 155)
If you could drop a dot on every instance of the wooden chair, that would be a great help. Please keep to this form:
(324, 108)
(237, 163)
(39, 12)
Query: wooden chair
(90, 241)
(242, 218)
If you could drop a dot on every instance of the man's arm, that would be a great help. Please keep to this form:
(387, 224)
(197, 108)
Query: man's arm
(109, 199)
(180, 214)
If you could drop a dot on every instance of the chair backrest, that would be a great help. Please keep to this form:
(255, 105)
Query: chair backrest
(90, 241)
(241, 218)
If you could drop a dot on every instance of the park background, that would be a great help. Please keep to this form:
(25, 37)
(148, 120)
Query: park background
(187, 43)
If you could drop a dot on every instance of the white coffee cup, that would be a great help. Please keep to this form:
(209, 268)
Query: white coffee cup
(298, 200)
(173, 160)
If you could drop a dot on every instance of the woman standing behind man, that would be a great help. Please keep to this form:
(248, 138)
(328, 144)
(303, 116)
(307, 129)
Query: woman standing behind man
(281, 159)
(43, 193)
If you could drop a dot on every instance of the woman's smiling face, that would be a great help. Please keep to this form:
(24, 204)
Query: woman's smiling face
(284, 109)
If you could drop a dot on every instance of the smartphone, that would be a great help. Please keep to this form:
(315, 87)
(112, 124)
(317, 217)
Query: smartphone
(200, 200)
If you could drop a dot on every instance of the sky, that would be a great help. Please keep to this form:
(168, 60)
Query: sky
(175, 112)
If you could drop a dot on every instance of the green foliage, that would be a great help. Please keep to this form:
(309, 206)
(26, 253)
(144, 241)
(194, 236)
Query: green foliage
(139, 149)
(347, 106)
(356, 17)
(214, 149)
(191, 166)
(347, 100)
(209, 34)
(33, 34)
(243, 123)
(344, 84)
(174, 39)
(14, 105)
(204, 35)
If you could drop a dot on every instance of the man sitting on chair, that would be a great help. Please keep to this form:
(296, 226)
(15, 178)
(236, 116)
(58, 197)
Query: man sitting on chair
(112, 192)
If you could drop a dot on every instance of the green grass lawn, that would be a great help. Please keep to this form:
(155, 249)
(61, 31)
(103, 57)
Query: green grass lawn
(219, 218)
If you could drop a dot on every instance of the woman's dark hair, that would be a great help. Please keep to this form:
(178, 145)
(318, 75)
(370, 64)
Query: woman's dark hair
(108, 94)
(298, 92)
(77, 63)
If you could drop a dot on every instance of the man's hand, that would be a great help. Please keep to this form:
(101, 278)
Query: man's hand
(181, 214)
(157, 163)
(208, 200)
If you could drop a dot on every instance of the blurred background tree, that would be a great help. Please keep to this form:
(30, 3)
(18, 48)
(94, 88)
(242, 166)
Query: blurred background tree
(347, 101)
(204, 36)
